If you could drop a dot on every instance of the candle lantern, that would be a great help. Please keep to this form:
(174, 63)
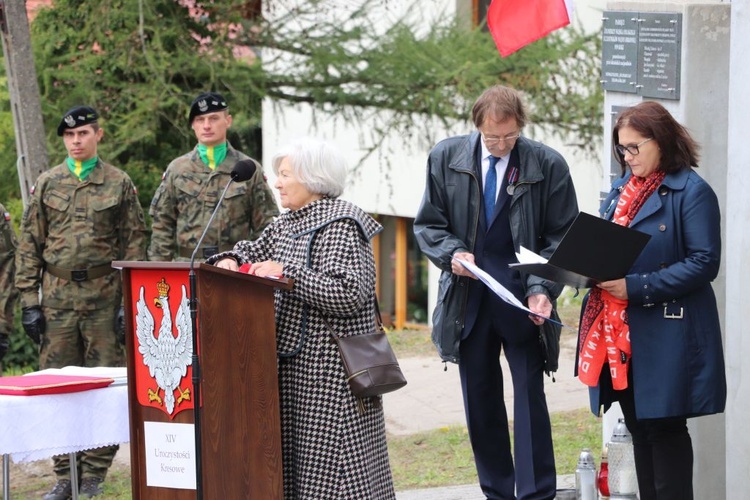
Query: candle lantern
(602, 480)
(586, 476)
(623, 484)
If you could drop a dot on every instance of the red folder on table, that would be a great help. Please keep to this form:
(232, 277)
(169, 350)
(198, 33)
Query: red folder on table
(30, 385)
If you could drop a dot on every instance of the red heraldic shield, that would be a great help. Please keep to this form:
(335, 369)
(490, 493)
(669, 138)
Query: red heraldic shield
(163, 342)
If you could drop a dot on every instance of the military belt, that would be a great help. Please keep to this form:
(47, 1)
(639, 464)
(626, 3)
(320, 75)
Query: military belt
(79, 275)
(205, 252)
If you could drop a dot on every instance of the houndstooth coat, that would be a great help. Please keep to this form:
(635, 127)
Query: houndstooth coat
(330, 450)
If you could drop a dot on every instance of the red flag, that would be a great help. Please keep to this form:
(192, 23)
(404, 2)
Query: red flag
(516, 23)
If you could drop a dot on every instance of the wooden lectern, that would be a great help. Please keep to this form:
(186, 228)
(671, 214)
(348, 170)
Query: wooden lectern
(240, 422)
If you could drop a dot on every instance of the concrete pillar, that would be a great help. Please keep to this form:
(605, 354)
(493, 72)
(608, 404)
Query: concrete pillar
(737, 248)
(702, 108)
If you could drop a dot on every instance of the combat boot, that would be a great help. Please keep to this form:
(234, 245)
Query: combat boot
(61, 491)
(90, 487)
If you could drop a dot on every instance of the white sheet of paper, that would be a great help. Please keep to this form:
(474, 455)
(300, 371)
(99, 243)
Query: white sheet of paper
(526, 256)
(494, 285)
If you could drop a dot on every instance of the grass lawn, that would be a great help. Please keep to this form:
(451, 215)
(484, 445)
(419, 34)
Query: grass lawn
(443, 457)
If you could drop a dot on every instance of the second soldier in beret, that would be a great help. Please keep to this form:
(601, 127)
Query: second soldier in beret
(191, 187)
(82, 215)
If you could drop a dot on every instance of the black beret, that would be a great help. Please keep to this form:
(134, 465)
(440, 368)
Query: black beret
(207, 102)
(77, 117)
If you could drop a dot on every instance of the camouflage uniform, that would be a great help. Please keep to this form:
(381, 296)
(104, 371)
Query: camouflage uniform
(8, 291)
(187, 196)
(71, 232)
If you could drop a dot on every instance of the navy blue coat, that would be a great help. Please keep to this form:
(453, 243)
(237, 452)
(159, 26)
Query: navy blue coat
(677, 357)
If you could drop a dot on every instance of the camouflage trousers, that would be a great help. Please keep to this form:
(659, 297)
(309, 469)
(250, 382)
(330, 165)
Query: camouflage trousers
(81, 338)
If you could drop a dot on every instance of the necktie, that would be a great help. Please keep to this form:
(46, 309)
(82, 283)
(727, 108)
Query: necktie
(490, 189)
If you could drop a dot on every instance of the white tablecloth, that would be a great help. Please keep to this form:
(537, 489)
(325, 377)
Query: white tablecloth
(38, 427)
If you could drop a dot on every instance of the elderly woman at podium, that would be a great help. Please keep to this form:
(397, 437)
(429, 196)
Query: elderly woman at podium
(330, 448)
(652, 340)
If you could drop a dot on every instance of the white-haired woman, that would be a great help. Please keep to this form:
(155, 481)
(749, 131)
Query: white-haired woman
(330, 449)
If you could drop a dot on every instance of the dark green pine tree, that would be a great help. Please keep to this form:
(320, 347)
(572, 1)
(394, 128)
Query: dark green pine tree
(141, 62)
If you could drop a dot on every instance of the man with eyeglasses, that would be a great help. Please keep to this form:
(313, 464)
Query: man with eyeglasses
(487, 194)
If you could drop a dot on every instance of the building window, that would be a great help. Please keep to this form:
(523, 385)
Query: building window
(402, 273)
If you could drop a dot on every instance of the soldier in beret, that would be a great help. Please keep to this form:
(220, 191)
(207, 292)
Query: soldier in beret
(82, 215)
(191, 187)
(8, 292)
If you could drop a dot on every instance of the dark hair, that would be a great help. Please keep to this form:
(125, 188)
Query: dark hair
(651, 120)
(500, 103)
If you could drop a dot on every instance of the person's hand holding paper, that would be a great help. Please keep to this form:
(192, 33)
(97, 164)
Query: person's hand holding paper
(457, 266)
(539, 308)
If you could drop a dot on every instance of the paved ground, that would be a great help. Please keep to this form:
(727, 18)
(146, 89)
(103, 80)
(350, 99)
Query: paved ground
(432, 397)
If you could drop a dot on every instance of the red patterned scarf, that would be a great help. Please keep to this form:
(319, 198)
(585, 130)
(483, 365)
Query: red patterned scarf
(604, 334)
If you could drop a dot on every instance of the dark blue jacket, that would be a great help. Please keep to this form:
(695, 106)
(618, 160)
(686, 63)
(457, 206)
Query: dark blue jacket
(677, 358)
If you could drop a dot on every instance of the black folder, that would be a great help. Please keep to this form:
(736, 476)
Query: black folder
(593, 250)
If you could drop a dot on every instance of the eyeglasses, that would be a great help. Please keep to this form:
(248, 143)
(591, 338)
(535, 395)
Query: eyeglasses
(489, 140)
(633, 150)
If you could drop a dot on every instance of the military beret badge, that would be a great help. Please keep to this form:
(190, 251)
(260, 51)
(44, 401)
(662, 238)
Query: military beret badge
(207, 102)
(77, 117)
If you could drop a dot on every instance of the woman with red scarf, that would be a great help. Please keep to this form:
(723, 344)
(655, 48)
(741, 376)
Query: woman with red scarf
(652, 340)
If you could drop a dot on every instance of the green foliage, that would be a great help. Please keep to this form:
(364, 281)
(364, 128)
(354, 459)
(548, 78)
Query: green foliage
(352, 68)
(141, 62)
(23, 355)
(9, 188)
(15, 207)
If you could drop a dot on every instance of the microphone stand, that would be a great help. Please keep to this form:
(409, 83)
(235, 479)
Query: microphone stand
(195, 359)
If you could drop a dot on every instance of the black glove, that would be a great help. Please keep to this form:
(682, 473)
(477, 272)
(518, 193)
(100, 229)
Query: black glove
(4, 345)
(120, 325)
(32, 319)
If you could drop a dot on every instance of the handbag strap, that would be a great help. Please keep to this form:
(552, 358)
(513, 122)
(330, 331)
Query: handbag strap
(378, 318)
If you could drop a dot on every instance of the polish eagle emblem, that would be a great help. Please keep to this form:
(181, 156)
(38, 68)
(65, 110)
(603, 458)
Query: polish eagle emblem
(166, 356)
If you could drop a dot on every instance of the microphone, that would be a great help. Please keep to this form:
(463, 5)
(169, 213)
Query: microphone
(242, 171)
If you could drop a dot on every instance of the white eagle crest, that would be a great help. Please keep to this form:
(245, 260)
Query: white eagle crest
(167, 357)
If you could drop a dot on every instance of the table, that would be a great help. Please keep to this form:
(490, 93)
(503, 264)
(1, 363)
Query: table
(38, 427)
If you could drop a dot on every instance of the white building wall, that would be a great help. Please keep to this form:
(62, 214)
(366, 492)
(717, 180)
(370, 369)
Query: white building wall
(390, 181)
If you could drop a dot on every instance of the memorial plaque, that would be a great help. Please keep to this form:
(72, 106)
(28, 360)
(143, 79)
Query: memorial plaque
(659, 52)
(619, 51)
